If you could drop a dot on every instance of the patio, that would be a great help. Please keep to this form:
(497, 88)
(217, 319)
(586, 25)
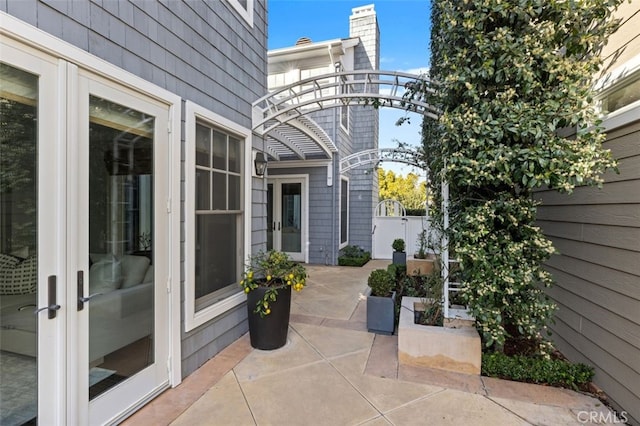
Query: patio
(333, 372)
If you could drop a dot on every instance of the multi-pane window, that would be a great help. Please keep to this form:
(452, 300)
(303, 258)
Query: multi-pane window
(344, 108)
(344, 211)
(219, 215)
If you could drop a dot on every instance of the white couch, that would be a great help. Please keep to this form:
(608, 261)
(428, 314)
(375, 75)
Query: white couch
(121, 314)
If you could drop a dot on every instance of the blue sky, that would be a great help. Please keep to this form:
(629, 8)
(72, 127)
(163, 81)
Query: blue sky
(404, 45)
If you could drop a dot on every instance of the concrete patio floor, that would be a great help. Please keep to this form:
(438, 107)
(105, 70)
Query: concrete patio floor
(333, 372)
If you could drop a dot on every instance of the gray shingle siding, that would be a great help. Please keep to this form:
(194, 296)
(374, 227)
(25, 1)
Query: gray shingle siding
(202, 51)
(597, 235)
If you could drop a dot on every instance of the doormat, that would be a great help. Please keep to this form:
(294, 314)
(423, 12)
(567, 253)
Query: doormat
(18, 389)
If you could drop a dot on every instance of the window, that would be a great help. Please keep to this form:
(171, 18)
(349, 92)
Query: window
(244, 8)
(620, 97)
(344, 109)
(344, 212)
(215, 214)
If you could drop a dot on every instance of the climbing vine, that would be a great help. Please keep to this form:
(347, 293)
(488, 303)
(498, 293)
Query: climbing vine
(517, 114)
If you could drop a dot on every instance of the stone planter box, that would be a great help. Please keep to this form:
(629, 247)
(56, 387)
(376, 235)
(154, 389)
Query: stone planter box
(454, 349)
(422, 266)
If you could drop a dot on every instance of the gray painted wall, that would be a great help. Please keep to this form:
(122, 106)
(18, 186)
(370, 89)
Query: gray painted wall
(202, 51)
(597, 234)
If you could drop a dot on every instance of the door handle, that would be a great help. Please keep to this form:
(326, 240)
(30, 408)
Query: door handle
(80, 285)
(278, 226)
(274, 226)
(51, 296)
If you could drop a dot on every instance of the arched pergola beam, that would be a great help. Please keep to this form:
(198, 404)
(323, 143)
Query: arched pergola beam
(338, 89)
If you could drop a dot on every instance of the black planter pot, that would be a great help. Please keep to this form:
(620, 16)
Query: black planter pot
(269, 332)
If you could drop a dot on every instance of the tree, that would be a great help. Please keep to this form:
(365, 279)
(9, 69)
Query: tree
(410, 191)
(516, 78)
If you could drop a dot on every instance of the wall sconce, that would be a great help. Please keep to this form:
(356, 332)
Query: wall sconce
(260, 163)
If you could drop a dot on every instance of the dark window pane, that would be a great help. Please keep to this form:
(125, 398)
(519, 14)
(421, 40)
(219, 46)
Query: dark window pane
(344, 210)
(219, 191)
(216, 252)
(203, 145)
(234, 155)
(234, 192)
(219, 150)
(203, 190)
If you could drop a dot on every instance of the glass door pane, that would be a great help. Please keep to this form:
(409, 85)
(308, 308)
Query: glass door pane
(121, 242)
(18, 245)
(291, 204)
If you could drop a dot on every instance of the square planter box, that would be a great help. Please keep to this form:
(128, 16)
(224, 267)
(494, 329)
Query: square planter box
(446, 348)
(381, 314)
(399, 258)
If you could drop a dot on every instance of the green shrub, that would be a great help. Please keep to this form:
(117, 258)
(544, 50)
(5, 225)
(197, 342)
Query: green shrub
(416, 212)
(397, 272)
(353, 256)
(553, 372)
(398, 245)
(381, 283)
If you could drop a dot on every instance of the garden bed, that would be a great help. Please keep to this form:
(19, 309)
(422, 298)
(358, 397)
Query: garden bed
(453, 347)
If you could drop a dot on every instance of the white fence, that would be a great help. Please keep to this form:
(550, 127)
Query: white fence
(387, 229)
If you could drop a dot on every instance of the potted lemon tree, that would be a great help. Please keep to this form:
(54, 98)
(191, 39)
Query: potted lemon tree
(267, 280)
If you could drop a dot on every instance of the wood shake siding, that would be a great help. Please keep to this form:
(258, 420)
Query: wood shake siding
(202, 51)
(597, 271)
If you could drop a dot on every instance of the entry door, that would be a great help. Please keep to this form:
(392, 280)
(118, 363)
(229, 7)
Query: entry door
(118, 192)
(32, 253)
(286, 216)
(83, 244)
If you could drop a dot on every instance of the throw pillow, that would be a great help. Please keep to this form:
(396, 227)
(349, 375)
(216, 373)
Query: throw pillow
(18, 277)
(133, 269)
(105, 275)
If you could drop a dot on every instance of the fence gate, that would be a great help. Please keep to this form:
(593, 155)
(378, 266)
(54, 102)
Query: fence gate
(389, 222)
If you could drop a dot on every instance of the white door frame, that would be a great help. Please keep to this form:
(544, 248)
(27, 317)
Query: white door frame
(54, 56)
(303, 180)
(153, 378)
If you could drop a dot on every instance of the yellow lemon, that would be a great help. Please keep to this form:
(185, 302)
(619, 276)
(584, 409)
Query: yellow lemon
(290, 276)
(268, 311)
(246, 289)
(268, 277)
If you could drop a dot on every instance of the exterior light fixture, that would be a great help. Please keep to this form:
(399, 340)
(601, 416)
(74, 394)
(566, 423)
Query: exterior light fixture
(260, 163)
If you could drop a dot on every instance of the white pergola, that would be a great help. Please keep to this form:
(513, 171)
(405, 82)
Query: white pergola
(281, 118)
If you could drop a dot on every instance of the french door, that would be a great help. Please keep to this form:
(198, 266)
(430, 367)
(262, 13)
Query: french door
(82, 202)
(287, 216)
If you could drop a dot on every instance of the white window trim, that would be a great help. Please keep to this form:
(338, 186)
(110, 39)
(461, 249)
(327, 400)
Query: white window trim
(346, 243)
(194, 112)
(26, 34)
(247, 14)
